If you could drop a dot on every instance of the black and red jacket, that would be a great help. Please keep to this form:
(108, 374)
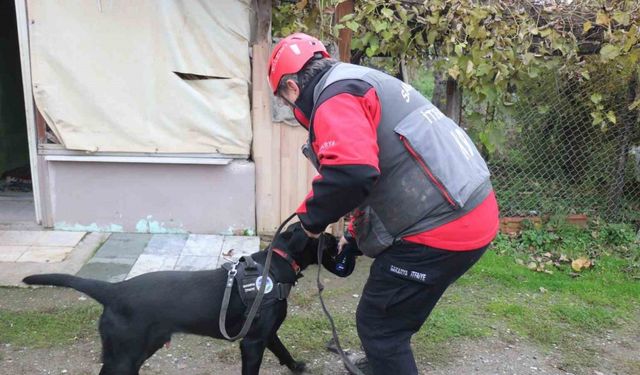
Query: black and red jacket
(344, 139)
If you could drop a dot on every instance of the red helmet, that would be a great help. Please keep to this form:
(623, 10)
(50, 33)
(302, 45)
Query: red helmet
(290, 55)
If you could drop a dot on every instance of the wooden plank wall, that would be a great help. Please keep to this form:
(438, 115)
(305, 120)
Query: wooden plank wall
(283, 174)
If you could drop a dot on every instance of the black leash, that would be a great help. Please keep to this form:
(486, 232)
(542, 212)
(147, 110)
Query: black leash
(347, 362)
(256, 303)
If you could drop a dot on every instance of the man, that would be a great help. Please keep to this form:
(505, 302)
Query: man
(419, 192)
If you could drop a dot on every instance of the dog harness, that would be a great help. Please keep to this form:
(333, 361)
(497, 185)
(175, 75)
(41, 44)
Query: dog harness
(247, 274)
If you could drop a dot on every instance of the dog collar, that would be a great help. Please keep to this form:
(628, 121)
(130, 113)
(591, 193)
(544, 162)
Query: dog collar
(289, 259)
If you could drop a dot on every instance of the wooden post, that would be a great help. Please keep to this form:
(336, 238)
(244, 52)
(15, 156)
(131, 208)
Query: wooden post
(266, 137)
(439, 98)
(344, 35)
(454, 101)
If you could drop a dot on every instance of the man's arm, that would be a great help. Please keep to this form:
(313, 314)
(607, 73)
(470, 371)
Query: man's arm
(345, 130)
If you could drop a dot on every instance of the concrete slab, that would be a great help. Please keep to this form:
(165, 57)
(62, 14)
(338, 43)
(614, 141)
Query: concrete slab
(124, 245)
(111, 272)
(12, 273)
(196, 263)
(203, 245)
(11, 253)
(151, 263)
(59, 238)
(166, 244)
(45, 254)
(129, 261)
(17, 209)
(234, 247)
(20, 237)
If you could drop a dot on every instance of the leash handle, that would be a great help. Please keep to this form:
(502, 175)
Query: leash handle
(256, 303)
(347, 362)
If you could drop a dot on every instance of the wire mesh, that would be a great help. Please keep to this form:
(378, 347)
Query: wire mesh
(555, 160)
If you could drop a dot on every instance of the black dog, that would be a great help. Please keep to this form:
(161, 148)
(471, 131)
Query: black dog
(142, 313)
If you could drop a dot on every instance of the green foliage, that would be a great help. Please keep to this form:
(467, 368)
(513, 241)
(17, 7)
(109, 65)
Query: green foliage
(553, 246)
(617, 234)
(424, 83)
(490, 47)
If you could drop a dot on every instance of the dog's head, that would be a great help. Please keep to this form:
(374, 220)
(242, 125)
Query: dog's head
(302, 248)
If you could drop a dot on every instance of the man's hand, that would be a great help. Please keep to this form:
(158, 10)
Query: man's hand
(343, 241)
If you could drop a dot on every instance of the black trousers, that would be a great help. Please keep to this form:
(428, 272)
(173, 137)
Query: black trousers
(405, 283)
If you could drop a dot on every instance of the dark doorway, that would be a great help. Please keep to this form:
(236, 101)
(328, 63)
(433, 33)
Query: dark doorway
(16, 197)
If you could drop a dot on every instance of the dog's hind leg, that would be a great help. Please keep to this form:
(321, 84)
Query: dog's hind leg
(122, 345)
(277, 347)
(252, 350)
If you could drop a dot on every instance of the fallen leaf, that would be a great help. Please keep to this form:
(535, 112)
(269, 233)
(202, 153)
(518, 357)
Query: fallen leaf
(547, 254)
(520, 262)
(563, 258)
(228, 253)
(580, 263)
(543, 290)
(532, 265)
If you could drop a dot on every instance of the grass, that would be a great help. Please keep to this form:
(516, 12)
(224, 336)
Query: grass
(44, 329)
(562, 311)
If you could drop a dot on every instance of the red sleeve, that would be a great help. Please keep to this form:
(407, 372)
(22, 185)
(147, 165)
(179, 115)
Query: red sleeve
(344, 136)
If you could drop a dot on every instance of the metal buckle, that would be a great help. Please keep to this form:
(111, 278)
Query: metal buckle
(232, 273)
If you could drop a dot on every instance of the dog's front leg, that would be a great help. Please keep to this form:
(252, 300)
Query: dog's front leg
(277, 347)
(252, 351)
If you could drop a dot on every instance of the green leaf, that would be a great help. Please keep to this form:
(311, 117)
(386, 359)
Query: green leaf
(586, 75)
(483, 69)
(612, 117)
(431, 37)
(609, 52)
(371, 51)
(634, 105)
(597, 118)
(527, 58)
(379, 25)
(596, 98)
(470, 66)
(622, 18)
(459, 49)
(347, 17)
(546, 32)
(586, 26)
(387, 12)
(353, 26)
(543, 109)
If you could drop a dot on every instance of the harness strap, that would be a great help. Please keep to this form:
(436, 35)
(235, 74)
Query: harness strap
(222, 321)
(283, 290)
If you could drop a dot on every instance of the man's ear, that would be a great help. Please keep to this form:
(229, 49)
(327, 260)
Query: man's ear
(293, 88)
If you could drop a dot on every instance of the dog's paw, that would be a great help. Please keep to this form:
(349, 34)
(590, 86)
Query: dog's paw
(297, 367)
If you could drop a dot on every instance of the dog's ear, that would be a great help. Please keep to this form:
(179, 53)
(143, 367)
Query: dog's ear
(292, 240)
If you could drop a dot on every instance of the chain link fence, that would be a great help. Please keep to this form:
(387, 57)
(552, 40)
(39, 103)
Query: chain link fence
(552, 159)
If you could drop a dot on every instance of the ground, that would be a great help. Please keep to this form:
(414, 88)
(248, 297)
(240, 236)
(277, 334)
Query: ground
(485, 324)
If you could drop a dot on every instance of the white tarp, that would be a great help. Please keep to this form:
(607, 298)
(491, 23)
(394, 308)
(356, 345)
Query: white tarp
(104, 74)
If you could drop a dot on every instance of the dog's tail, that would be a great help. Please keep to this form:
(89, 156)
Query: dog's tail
(96, 289)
